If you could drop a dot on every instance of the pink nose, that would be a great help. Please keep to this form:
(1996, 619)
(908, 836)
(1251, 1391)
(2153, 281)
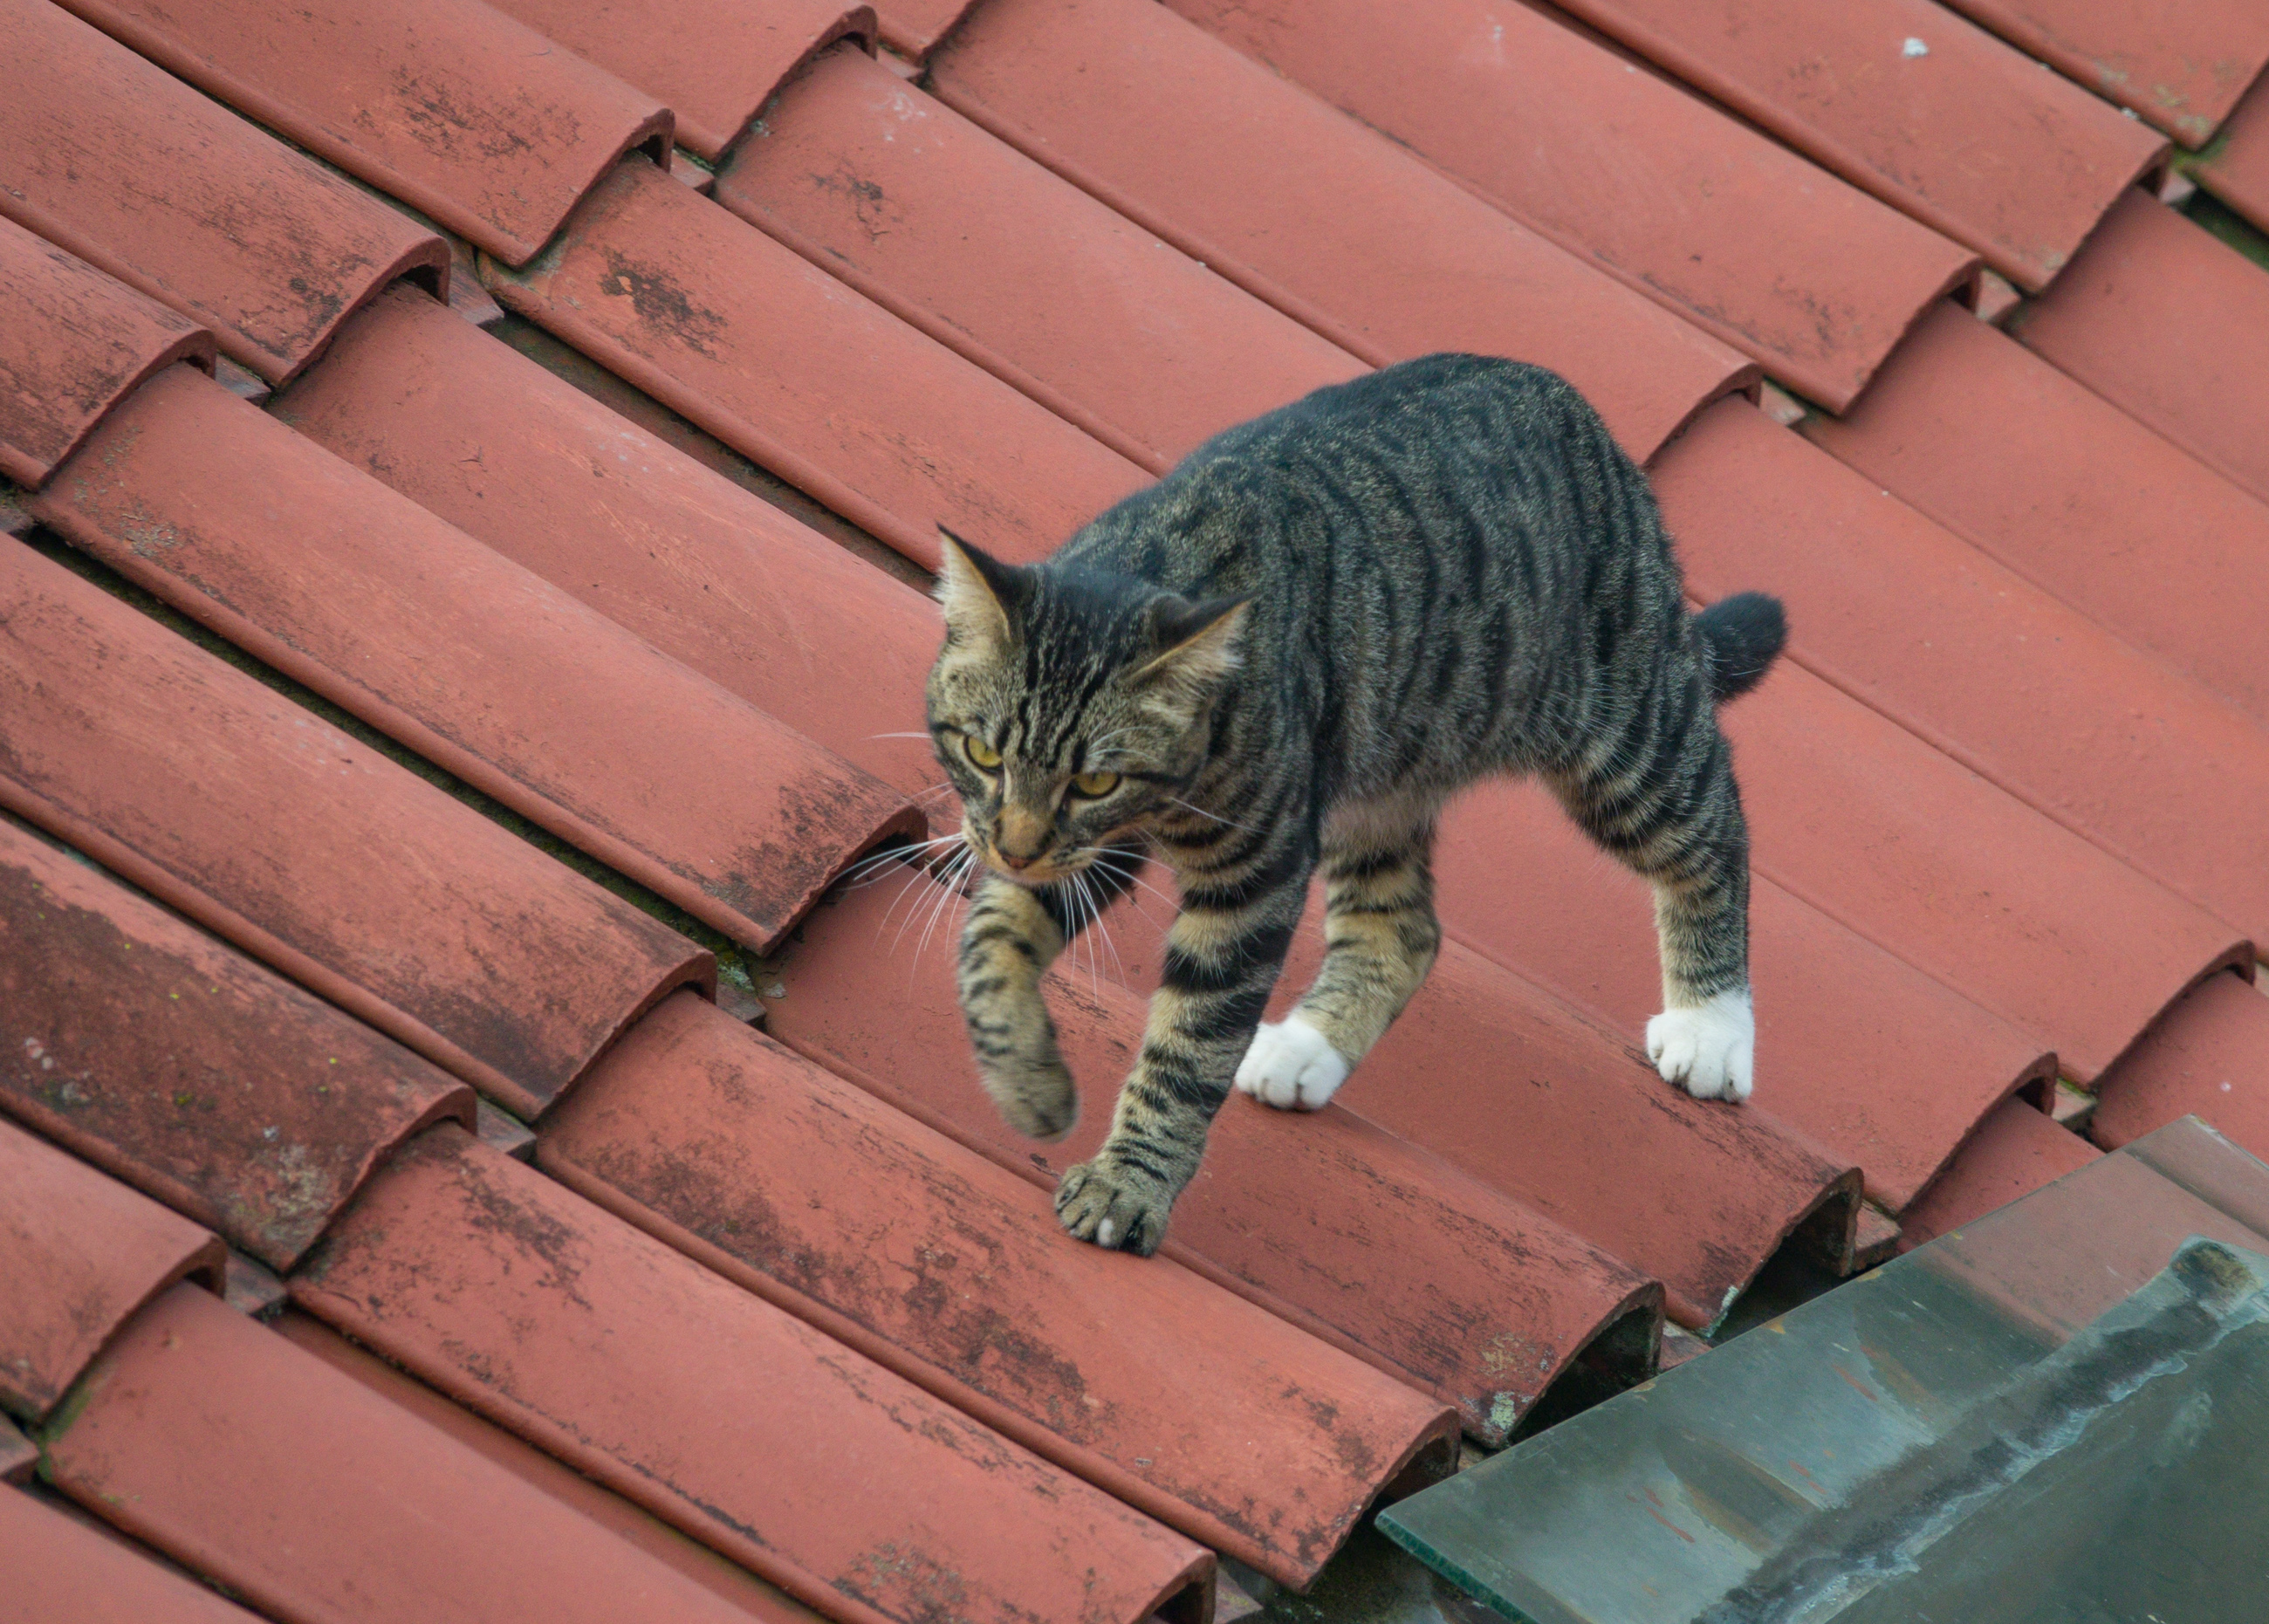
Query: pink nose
(1012, 861)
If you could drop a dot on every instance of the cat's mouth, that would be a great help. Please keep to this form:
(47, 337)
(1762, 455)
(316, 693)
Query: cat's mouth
(1045, 869)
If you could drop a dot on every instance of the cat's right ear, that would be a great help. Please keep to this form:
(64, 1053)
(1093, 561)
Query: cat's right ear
(979, 592)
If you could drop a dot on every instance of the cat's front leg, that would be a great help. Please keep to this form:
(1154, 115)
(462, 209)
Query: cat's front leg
(1010, 938)
(1223, 957)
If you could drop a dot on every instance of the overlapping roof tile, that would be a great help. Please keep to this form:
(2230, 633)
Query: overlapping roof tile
(448, 105)
(1744, 238)
(848, 1486)
(793, 369)
(82, 1252)
(2210, 1062)
(2181, 65)
(310, 850)
(2071, 493)
(1351, 1231)
(2236, 169)
(1280, 193)
(406, 621)
(949, 1268)
(81, 342)
(220, 1443)
(2170, 326)
(132, 171)
(2017, 1149)
(63, 1572)
(1913, 103)
(191, 1072)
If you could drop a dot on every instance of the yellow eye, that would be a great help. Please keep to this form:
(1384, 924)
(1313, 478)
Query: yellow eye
(982, 755)
(1095, 785)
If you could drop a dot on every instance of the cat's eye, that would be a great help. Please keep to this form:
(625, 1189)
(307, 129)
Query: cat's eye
(981, 756)
(1094, 785)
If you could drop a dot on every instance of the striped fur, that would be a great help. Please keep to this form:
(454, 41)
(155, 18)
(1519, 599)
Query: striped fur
(1283, 658)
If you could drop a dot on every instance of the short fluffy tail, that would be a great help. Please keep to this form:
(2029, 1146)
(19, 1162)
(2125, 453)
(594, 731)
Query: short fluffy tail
(1741, 636)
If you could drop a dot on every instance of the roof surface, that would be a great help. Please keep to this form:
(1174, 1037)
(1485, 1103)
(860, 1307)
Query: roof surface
(469, 1147)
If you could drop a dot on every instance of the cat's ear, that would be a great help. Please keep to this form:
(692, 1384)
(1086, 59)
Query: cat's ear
(979, 592)
(1198, 643)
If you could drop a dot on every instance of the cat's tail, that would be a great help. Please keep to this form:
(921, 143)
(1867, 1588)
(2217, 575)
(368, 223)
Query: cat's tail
(1741, 636)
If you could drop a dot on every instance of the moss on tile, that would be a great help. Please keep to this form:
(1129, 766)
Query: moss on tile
(2240, 233)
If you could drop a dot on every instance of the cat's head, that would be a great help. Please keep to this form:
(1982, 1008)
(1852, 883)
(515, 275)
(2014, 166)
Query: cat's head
(1068, 706)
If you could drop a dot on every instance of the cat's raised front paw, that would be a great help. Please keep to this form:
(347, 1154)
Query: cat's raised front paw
(1037, 1098)
(1291, 1066)
(1116, 1206)
(1709, 1051)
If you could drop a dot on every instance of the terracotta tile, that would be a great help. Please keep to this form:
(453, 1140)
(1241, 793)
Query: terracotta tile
(108, 156)
(20, 1457)
(218, 1442)
(992, 256)
(73, 344)
(60, 1573)
(1299, 204)
(2172, 326)
(1966, 133)
(2016, 1150)
(2209, 1057)
(2180, 64)
(523, 692)
(80, 1253)
(790, 366)
(840, 1482)
(1885, 1067)
(2040, 700)
(1181, 1399)
(1638, 177)
(913, 27)
(2073, 495)
(194, 1073)
(1862, 818)
(713, 63)
(640, 1529)
(2238, 170)
(310, 851)
(446, 104)
(719, 579)
(1353, 1234)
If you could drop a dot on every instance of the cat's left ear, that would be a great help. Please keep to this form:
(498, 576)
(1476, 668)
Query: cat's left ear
(979, 592)
(1198, 643)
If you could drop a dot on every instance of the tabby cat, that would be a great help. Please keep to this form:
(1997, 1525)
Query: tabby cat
(1283, 657)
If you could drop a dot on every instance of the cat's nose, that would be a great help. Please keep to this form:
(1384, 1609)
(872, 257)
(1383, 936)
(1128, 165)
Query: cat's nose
(1010, 860)
(1020, 838)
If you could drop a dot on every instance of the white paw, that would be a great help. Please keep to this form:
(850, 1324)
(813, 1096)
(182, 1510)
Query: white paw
(1291, 1066)
(1710, 1051)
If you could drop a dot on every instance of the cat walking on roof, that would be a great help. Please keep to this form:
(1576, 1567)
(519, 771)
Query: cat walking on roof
(1283, 659)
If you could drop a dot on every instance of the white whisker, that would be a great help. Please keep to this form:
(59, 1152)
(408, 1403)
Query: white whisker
(1215, 817)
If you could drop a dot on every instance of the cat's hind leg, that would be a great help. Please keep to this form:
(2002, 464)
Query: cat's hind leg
(1381, 938)
(1659, 794)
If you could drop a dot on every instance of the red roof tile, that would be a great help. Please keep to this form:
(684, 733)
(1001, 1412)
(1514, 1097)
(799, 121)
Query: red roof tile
(2209, 1057)
(1353, 1234)
(78, 343)
(215, 1440)
(446, 104)
(2180, 64)
(2172, 326)
(2016, 1150)
(118, 162)
(844, 1484)
(61, 1573)
(715, 62)
(1858, 815)
(517, 688)
(1966, 135)
(2000, 675)
(194, 1073)
(790, 366)
(1735, 232)
(719, 579)
(915, 27)
(20, 1457)
(311, 850)
(1179, 1399)
(1294, 201)
(634, 1525)
(992, 256)
(80, 1253)
(2073, 495)
(2237, 171)
(1831, 1004)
